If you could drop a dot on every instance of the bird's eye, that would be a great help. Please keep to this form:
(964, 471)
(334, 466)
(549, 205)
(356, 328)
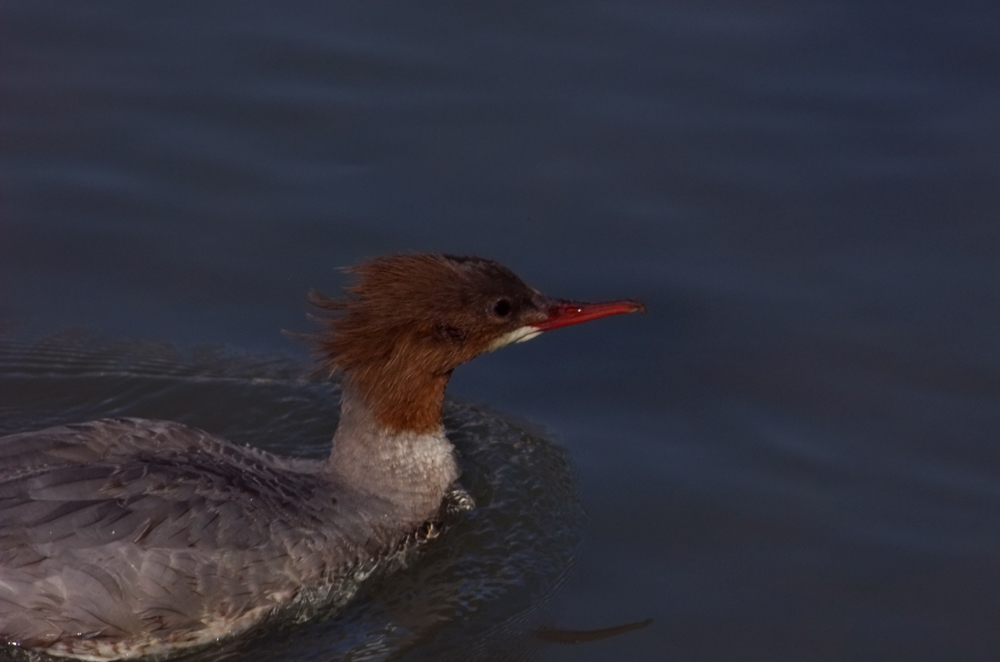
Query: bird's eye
(501, 308)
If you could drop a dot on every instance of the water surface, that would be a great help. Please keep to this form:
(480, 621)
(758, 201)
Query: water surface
(792, 456)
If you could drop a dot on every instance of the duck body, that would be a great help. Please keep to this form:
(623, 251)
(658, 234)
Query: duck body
(128, 538)
(123, 538)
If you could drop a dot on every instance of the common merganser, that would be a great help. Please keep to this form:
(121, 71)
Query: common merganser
(124, 538)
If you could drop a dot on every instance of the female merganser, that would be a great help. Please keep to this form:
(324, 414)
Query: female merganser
(123, 538)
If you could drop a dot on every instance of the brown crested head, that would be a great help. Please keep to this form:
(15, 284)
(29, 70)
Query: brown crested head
(409, 320)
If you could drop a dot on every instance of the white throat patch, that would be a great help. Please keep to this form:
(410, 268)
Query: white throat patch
(517, 335)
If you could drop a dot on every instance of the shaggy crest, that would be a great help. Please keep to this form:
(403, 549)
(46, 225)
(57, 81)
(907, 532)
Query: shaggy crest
(409, 320)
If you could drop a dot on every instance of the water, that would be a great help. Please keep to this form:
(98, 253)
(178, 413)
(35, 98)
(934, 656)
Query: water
(792, 456)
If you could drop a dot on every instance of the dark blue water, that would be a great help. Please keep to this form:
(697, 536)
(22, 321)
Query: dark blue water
(794, 456)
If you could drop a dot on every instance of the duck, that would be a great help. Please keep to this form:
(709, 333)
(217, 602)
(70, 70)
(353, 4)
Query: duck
(125, 538)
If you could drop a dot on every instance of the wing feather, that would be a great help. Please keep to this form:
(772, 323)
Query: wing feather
(123, 528)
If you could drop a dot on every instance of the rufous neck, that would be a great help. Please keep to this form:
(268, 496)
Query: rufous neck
(400, 396)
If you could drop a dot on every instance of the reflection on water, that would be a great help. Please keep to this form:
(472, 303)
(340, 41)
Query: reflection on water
(473, 592)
